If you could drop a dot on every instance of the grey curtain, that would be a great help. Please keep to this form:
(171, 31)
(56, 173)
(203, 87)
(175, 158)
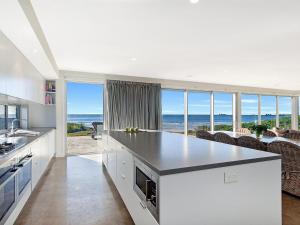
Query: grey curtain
(133, 104)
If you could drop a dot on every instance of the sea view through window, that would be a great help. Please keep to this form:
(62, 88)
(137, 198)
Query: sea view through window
(84, 106)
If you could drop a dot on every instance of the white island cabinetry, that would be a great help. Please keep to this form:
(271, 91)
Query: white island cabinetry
(199, 181)
(119, 164)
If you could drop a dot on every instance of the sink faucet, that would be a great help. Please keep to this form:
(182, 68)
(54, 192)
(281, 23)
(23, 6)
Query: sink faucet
(12, 126)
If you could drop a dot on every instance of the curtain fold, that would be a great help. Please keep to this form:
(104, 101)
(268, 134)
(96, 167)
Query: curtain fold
(133, 104)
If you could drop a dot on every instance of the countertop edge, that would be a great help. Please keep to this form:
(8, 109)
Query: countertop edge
(218, 165)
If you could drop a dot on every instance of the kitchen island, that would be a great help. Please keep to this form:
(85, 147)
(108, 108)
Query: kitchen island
(193, 181)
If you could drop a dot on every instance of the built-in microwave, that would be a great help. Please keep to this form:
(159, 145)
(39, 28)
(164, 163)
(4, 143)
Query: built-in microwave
(146, 186)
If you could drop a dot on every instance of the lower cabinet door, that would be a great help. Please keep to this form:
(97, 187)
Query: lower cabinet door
(35, 171)
(139, 213)
(112, 165)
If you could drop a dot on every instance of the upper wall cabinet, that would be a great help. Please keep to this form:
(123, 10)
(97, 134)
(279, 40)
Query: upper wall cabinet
(18, 77)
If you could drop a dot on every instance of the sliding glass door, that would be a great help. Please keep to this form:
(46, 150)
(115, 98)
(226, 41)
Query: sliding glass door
(173, 110)
(249, 110)
(268, 111)
(285, 112)
(223, 111)
(198, 111)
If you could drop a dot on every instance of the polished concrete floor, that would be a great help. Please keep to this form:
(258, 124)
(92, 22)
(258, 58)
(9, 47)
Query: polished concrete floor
(76, 191)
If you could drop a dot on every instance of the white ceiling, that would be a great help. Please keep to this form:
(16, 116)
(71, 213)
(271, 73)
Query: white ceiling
(16, 26)
(238, 42)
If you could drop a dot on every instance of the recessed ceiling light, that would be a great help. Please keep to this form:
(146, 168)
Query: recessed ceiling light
(35, 50)
(133, 59)
(194, 1)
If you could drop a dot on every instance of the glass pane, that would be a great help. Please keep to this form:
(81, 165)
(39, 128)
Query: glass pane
(223, 111)
(173, 110)
(11, 115)
(249, 110)
(2, 117)
(268, 111)
(198, 112)
(285, 112)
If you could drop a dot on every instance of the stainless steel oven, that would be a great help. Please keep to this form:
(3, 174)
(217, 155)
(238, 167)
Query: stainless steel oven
(24, 173)
(15, 178)
(146, 183)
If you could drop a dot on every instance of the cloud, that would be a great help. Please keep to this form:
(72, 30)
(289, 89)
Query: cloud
(250, 101)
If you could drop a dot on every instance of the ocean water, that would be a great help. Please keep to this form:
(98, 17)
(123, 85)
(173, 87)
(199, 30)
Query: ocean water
(86, 119)
(173, 122)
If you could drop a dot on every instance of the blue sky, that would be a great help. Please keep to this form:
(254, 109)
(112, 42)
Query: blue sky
(84, 98)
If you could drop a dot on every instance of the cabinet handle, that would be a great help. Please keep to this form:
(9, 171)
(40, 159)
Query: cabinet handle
(142, 204)
(123, 176)
(123, 162)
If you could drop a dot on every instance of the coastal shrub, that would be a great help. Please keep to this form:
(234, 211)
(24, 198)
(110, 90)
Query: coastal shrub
(76, 127)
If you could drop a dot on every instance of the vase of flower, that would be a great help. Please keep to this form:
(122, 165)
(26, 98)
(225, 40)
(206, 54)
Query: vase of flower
(259, 129)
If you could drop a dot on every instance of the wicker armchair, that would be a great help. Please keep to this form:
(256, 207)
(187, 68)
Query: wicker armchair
(243, 131)
(204, 135)
(251, 142)
(290, 165)
(292, 135)
(224, 138)
(269, 133)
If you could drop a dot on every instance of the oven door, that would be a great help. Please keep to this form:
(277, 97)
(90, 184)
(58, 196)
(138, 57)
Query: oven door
(24, 174)
(7, 194)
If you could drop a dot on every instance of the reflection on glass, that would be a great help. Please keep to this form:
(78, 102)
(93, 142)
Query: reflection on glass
(268, 111)
(223, 111)
(2, 117)
(198, 112)
(173, 110)
(11, 115)
(249, 110)
(285, 112)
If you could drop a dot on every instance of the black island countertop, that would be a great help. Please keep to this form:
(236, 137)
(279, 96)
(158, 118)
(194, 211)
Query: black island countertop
(170, 153)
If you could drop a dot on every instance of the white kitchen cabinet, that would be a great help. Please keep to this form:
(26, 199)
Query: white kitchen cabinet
(42, 150)
(36, 162)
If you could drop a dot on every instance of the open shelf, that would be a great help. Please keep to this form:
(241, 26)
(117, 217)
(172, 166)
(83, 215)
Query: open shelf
(50, 92)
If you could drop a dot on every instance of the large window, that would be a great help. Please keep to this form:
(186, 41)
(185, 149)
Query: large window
(173, 110)
(285, 112)
(249, 110)
(268, 111)
(198, 111)
(223, 111)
